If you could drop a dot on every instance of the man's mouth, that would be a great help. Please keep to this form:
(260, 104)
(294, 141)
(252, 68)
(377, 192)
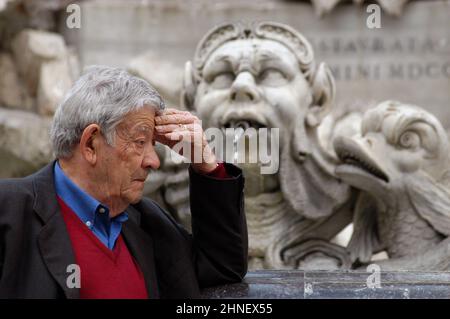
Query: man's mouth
(350, 153)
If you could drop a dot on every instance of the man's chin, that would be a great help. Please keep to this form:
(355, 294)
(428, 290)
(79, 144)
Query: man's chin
(135, 195)
(135, 198)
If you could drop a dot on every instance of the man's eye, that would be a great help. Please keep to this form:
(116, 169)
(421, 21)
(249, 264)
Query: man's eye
(272, 77)
(409, 139)
(140, 142)
(222, 80)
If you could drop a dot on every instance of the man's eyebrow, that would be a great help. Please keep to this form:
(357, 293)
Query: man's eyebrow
(143, 128)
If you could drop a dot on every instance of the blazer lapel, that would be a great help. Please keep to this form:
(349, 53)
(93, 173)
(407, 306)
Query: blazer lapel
(140, 245)
(54, 241)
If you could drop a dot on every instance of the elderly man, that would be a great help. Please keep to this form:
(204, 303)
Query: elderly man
(79, 227)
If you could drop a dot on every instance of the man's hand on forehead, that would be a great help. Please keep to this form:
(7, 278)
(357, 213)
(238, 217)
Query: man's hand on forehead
(174, 126)
(174, 116)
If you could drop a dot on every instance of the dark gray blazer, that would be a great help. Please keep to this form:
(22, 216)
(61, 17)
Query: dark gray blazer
(35, 248)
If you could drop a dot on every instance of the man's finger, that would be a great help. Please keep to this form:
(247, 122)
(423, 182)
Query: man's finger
(193, 127)
(172, 111)
(179, 135)
(174, 119)
(173, 127)
(161, 138)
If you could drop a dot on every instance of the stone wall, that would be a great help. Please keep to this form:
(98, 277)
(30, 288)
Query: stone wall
(407, 59)
(36, 70)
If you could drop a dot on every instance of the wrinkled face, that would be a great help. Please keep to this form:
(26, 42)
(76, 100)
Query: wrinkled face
(124, 167)
(396, 140)
(252, 83)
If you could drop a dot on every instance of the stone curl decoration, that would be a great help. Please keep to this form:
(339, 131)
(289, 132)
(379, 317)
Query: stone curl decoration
(262, 30)
(400, 162)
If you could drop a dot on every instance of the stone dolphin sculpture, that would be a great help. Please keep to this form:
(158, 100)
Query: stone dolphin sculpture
(400, 161)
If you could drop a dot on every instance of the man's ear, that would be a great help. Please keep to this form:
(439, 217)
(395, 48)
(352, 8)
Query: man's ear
(89, 143)
(189, 87)
(323, 93)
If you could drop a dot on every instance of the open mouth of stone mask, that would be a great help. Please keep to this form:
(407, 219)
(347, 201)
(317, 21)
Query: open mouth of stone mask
(243, 123)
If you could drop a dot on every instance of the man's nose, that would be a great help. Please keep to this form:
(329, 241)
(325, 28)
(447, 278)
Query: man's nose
(244, 88)
(151, 160)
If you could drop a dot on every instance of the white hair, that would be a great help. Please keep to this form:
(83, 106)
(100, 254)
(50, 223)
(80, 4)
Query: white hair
(104, 96)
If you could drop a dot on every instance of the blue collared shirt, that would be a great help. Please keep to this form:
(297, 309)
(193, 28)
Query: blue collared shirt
(92, 213)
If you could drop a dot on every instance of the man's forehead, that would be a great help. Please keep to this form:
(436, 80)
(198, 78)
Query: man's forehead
(253, 48)
(142, 119)
(144, 113)
(135, 129)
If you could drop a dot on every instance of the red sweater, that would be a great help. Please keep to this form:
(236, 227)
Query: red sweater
(105, 273)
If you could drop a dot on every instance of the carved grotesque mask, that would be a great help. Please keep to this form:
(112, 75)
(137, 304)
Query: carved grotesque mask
(259, 75)
(254, 83)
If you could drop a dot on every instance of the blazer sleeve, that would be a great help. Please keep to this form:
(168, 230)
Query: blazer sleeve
(219, 230)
